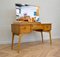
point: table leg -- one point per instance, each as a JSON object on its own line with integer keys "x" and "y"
{"x": 12, "y": 40}
{"x": 50, "y": 37}
{"x": 42, "y": 36}
{"x": 19, "y": 42}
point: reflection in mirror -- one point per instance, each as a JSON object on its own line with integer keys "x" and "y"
{"x": 27, "y": 12}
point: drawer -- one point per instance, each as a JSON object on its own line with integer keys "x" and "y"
{"x": 46, "y": 27}
{"x": 37, "y": 26}
{"x": 25, "y": 29}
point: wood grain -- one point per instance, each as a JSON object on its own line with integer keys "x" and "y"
{"x": 32, "y": 49}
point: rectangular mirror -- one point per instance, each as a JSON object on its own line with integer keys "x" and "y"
{"x": 27, "y": 10}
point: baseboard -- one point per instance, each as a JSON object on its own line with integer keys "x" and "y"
{"x": 9, "y": 42}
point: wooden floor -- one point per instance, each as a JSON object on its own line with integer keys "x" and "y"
{"x": 33, "y": 49}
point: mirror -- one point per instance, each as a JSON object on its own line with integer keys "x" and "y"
{"x": 27, "y": 10}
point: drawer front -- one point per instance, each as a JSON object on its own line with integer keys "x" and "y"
{"x": 37, "y": 26}
{"x": 25, "y": 29}
{"x": 47, "y": 27}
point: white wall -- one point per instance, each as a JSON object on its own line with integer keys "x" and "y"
{"x": 49, "y": 12}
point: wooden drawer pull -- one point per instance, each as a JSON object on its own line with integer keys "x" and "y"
{"x": 24, "y": 28}
{"x": 46, "y": 26}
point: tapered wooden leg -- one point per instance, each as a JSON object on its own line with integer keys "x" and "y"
{"x": 50, "y": 37}
{"x": 19, "y": 42}
{"x": 12, "y": 40}
{"x": 42, "y": 36}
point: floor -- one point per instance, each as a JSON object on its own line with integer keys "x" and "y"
{"x": 32, "y": 49}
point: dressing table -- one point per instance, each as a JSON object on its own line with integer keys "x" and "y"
{"x": 23, "y": 27}
{"x": 27, "y": 23}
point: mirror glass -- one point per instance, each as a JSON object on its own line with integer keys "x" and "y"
{"x": 27, "y": 10}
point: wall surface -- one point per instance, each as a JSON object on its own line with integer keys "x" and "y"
{"x": 49, "y": 13}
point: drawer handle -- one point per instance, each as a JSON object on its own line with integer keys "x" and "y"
{"x": 46, "y": 26}
{"x": 24, "y": 27}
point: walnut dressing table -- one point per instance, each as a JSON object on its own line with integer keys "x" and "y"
{"x": 20, "y": 28}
